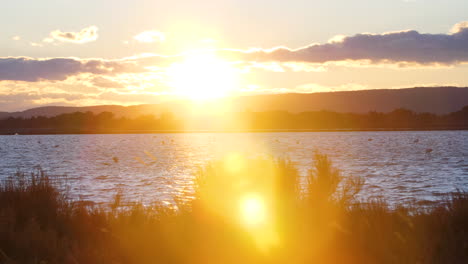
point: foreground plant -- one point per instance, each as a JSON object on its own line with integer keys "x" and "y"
{"x": 246, "y": 210}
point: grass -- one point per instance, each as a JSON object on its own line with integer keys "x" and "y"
{"x": 246, "y": 210}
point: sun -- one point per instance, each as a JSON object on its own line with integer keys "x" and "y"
{"x": 202, "y": 76}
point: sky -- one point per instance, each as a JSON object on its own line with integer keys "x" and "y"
{"x": 93, "y": 52}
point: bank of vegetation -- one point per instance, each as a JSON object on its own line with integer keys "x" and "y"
{"x": 245, "y": 211}
{"x": 107, "y": 122}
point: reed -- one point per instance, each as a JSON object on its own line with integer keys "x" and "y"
{"x": 246, "y": 210}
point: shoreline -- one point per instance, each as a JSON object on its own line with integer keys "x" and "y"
{"x": 26, "y": 131}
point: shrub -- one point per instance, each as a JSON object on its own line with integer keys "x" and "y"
{"x": 246, "y": 210}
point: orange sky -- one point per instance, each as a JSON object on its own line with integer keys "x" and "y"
{"x": 133, "y": 52}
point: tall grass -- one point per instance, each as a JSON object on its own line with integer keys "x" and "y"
{"x": 246, "y": 210}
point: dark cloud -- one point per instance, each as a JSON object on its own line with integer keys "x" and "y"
{"x": 59, "y": 69}
{"x": 404, "y": 46}
{"x": 395, "y": 47}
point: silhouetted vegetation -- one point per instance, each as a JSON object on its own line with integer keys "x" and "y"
{"x": 397, "y": 119}
{"x": 245, "y": 211}
{"x": 107, "y": 122}
{"x": 88, "y": 122}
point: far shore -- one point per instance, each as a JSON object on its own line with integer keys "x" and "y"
{"x": 26, "y": 131}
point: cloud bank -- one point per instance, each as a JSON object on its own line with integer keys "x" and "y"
{"x": 387, "y": 48}
{"x": 59, "y": 69}
{"x": 393, "y": 47}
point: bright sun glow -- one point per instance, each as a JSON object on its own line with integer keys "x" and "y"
{"x": 202, "y": 77}
{"x": 253, "y": 210}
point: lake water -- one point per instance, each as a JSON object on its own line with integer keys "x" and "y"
{"x": 150, "y": 167}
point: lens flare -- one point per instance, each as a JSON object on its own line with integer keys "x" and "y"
{"x": 253, "y": 210}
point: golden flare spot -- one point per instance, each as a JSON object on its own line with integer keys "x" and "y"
{"x": 253, "y": 210}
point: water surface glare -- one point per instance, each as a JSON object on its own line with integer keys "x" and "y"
{"x": 396, "y": 166}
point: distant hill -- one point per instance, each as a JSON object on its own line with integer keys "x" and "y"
{"x": 118, "y": 110}
{"x": 438, "y": 100}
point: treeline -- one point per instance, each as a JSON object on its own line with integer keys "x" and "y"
{"x": 88, "y": 122}
{"x": 397, "y": 119}
{"x": 80, "y": 122}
